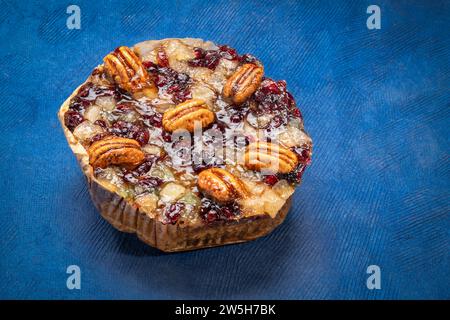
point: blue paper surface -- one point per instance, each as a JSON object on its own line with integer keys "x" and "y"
{"x": 376, "y": 103}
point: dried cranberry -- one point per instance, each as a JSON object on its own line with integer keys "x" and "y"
{"x": 300, "y": 172}
{"x": 130, "y": 178}
{"x": 294, "y": 176}
{"x": 84, "y": 90}
{"x": 199, "y": 53}
{"x": 151, "y": 182}
{"x": 173, "y": 212}
{"x": 271, "y": 179}
{"x": 212, "y": 216}
{"x": 200, "y": 167}
{"x": 155, "y": 120}
{"x": 296, "y": 113}
{"x": 125, "y": 107}
{"x": 77, "y": 105}
{"x": 104, "y": 90}
{"x": 303, "y": 154}
{"x": 236, "y": 118}
{"x": 72, "y": 119}
{"x": 167, "y": 137}
{"x": 130, "y": 130}
{"x": 277, "y": 121}
{"x": 248, "y": 58}
{"x": 211, "y": 58}
{"x": 182, "y": 95}
{"x": 270, "y": 87}
{"x": 228, "y": 53}
{"x": 272, "y": 98}
{"x": 211, "y": 211}
{"x": 219, "y": 125}
{"x": 174, "y": 83}
{"x": 101, "y": 123}
{"x": 146, "y": 165}
{"x": 98, "y": 137}
{"x": 149, "y": 65}
{"x": 227, "y": 212}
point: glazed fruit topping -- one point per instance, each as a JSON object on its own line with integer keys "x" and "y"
{"x": 72, "y": 119}
{"x": 154, "y": 120}
{"x": 303, "y": 154}
{"x": 146, "y": 165}
{"x": 137, "y": 175}
{"x": 273, "y": 98}
{"x": 173, "y": 212}
{"x": 211, "y": 211}
{"x": 211, "y": 58}
{"x": 271, "y": 179}
{"x": 170, "y": 81}
{"x": 129, "y": 130}
{"x": 237, "y": 108}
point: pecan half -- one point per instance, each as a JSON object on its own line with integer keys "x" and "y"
{"x": 186, "y": 114}
{"x": 221, "y": 185}
{"x": 243, "y": 83}
{"x": 269, "y": 157}
{"x": 114, "y": 150}
{"x": 126, "y": 69}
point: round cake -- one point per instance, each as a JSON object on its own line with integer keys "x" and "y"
{"x": 187, "y": 143}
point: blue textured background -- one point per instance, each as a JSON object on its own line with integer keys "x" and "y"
{"x": 376, "y": 103}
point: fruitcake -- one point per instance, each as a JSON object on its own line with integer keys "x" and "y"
{"x": 187, "y": 143}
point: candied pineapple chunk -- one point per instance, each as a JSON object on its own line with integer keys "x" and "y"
{"x": 272, "y": 202}
{"x": 252, "y": 205}
{"x": 147, "y": 202}
{"x": 172, "y": 192}
{"x": 283, "y": 189}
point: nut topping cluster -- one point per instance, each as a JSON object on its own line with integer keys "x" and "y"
{"x": 128, "y": 112}
{"x": 186, "y": 115}
{"x": 270, "y": 157}
{"x": 221, "y": 185}
{"x": 243, "y": 83}
{"x": 115, "y": 151}
{"x": 126, "y": 69}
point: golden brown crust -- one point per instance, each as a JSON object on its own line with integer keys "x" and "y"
{"x": 171, "y": 238}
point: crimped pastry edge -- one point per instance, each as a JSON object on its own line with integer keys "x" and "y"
{"x": 167, "y": 237}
